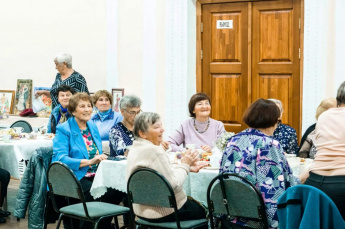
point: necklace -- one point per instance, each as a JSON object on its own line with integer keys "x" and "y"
{"x": 200, "y": 132}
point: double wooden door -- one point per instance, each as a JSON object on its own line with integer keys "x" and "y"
{"x": 251, "y": 50}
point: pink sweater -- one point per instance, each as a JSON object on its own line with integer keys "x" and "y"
{"x": 330, "y": 143}
{"x": 186, "y": 134}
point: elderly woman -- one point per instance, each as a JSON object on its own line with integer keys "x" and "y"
{"x": 200, "y": 130}
{"x": 308, "y": 149}
{"x": 121, "y": 135}
{"x": 146, "y": 152}
{"x": 78, "y": 145}
{"x": 59, "y": 113}
{"x": 66, "y": 75}
{"x": 256, "y": 156}
{"x": 327, "y": 172}
{"x": 105, "y": 118}
{"x": 286, "y": 135}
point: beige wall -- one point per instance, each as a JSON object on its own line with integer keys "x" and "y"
{"x": 33, "y": 32}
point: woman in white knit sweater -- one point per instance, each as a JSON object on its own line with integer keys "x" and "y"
{"x": 146, "y": 152}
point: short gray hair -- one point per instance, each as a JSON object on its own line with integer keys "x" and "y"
{"x": 279, "y": 104}
{"x": 64, "y": 58}
{"x": 130, "y": 101}
{"x": 341, "y": 94}
{"x": 143, "y": 121}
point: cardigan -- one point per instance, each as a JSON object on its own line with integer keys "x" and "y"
{"x": 69, "y": 146}
{"x": 186, "y": 134}
{"x": 144, "y": 154}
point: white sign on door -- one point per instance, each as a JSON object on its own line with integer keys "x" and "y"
{"x": 224, "y": 24}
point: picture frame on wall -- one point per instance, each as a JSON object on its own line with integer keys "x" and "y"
{"x": 23, "y": 98}
{"x": 47, "y": 101}
{"x": 117, "y": 94}
{"x": 6, "y": 101}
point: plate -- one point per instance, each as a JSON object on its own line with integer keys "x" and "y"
{"x": 46, "y": 138}
{"x": 211, "y": 168}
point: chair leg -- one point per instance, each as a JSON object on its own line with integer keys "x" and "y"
{"x": 59, "y": 222}
{"x": 96, "y": 224}
{"x": 116, "y": 222}
{"x": 46, "y": 207}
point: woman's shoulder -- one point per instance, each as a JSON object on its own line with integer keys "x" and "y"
{"x": 77, "y": 75}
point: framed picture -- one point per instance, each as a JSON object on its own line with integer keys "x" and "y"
{"x": 117, "y": 94}
{"x": 47, "y": 102}
{"x": 6, "y": 101}
{"x": 23, "y": 95}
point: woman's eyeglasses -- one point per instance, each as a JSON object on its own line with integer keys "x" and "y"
{"x": 133, "y": 112}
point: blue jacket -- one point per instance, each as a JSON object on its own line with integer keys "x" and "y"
{"x": 69, "y": 146}
{"x": 52, "y": 123}
{"x": 304, "y": 206}
{"x": 105, "y": 126}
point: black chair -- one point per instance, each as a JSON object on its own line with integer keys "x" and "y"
{"x": 234, "y": 196}
{"x": 63, "y": 182}
{"x": 27, "y": 128}
{"x": 148, "y": 187}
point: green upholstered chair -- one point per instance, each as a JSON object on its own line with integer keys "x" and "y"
{"x": 62, "y": 181}
{"x": 148, "y": 187}
{"x": 237, "y": 198}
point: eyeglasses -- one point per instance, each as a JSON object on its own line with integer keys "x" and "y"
{"x": 133, "y": 112}
{"x": 279, "y": 121}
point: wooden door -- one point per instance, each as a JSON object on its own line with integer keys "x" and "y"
{"x": 225, "y": 62}
{"x": 275, "y": 59}
{"x": 257, "y": 58}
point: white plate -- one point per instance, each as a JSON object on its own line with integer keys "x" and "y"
{"x": 46, "y": 138}
{"x": 211, "y": 168}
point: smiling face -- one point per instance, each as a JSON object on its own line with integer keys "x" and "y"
{"x": 64, "y": 97}
{"x": 129, "y": 114}
{"x": 202, "y": 109}
{"x": 154, "y": 133}
{"x": 103, "y": 103}
{"x": 83, "y": 111}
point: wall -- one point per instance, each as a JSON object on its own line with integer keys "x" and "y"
{"x": 33, "y": 32}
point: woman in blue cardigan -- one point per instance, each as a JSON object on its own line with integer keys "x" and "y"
{"x": 78, "y": 145}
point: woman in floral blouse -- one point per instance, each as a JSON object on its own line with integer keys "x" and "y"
{"x": 286, "y": 135}
{"x": 256, "y": 156}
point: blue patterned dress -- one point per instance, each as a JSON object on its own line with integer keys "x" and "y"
{"x": 287, "y": 137}
{"x": 261, "y": 160}
{"x": 119, "y": 139}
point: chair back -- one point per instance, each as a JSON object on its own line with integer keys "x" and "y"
{"x": 241, "y": 198}
{"x": 62, "y": 181}
{"x": 27, "y": 128}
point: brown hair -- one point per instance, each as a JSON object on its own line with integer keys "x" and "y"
{"x": 263, "y": 113}
{"x": 194, "y": 99}
{"x": 100, "y": 93}
{"x": 74, "y": 100}
{"x": 325, "y": 105}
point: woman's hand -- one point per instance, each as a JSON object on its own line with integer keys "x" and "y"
{"x": 165, "y": 145}
{"x": 98, "y": 158}
{"x": 198, "y": 165}
{"x": 206, "y": 148}
{"x": 190, "y": 158}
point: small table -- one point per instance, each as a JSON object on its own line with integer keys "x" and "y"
{"x": 17, "y": 150}
{"x": 112, "y": 174}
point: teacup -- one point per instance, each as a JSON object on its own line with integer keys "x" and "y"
{"x": 18, "y": 130}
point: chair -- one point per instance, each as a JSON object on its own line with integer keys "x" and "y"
{"x": 232, "y": 195}
{"x": 62, "y": 181}
{"x": 148, "y": 187}
{"x": 22, "y": 123}
{"x": 307, "y": 207}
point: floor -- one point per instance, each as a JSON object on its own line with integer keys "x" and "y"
{"x": 12, "y": 222}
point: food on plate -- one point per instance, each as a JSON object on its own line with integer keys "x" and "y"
{"x": 205, "y": 156}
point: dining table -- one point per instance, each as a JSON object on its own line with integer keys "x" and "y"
{"x": 13, "y": 154}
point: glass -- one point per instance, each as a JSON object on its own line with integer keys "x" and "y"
{"x": 133, "y": 112}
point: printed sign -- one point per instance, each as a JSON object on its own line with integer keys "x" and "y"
{"x": 224, "y": 24}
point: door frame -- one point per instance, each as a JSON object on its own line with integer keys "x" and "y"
{"x": 199, "y": 62}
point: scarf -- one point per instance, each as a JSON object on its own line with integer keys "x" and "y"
{"x": 62, "y": 115}
{"x": 104, "y": 115}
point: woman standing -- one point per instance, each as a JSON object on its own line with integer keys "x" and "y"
{"x": 200, "y": 130}
{"x": 121, "y": 135}
{"x": 105, "y": 118}
{"x": 66, "y": 75}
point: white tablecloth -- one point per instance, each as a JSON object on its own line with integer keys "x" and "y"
{"x": 112, "y": 174}
{"x": 12, "y": 153}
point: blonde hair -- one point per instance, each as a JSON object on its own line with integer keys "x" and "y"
{"x": 325, "y": 105}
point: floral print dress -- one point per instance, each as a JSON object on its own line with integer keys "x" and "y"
{"x": 260, "y": 159}
{"x": 287, "y": 137}
{"x": 119, "y": 139}
{"x": 91, "y": 149}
